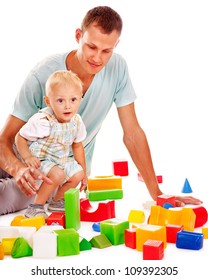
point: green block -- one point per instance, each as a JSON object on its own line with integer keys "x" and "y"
{"x": 114, "y": 230}
{"x": 85, "y": 245}
{"x": 72, "y": 208}
{"x": 67, "y": 242}
{"x": 21, "y": 248}
{"x": 104, "y": 195}
{"x": 100, "y": 241}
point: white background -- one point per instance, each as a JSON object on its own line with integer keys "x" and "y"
{"x": 165, "y": 44}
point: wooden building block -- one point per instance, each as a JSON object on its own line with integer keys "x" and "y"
{"x": 72, "y": 208}
{"x": 162, "y": 199}
{"x": 104, "y": 183}
{"x": 120, "y": 168}
{"x": 67, "y": 242}
{"x": 136, "y": 216}
{"x": 56, "y": 218}
{"x": 153, "y": 250}
{"x": 100, "y": 241}
{"x": 104, "y": 195}
{"x": 171, "y": 232}
{"x": 130, "y": 238}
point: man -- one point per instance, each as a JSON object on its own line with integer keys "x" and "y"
{"x": 106, "y": 81}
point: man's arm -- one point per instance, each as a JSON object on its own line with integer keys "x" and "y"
{"x": 25, "y": 176}
{"x": 136, "y": 142}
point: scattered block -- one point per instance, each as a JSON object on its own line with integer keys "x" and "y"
{"x": 21, "y": 248}
{"x": 67, "y": 242}
{"x": 171, "y": 232}
{"x": 153, "y": 250}
{"x": 162, "y": 199}
{"x": 152, "y": 232}
{"x": 136, "y": 216}
{"x": 72, "y": 208}
{"x": 17, "y": 220}
{"x": 96, "y": 227}
{"x": 130, "y": 238}
{"x": 85, "y": 245}
{"x": 1, "y": 251}
{"x": 159, "y": 178}
{"x": 205, "y": 232}
{"x": 120, "y": 168}
{"x": 201, "y": 216}
{"x": 100, "y": 241}
{"x": 189, "y": 240}
{"x": 56, "y": 218}
{"x": 7, "y": 244}
{"x": 114, "y": 230}
{"x": 45, "y": 244}
{"x": 186, "y": 187}
{"x": 33, "y": 222}
{"x": 104, "y": 211}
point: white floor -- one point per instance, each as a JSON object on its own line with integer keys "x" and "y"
{"x": 117, "y": 257}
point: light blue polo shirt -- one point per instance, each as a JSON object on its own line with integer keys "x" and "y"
{"x": 111, "y": 85}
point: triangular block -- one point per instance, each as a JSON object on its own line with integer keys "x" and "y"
{"x": 100, "y": 241}
{"x": 186, "y": 187}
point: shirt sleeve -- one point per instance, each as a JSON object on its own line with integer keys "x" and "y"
{"x": 36, "y": 127}
{"x": 81, "y": 131}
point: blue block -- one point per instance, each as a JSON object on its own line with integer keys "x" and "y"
{"x": 189, "y": 240}
{"x": 96, "y": 227}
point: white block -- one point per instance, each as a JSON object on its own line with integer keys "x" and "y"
{"x": 44, "y": 245}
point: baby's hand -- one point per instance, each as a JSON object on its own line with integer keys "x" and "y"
{"x": 32, "y": 162}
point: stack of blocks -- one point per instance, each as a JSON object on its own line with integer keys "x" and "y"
{"x": 104, "y": 187}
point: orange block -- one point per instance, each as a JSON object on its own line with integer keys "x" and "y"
{"x": 188, "y": 218}
{"x": 146, "y": 232}
{"x": 1, "y": 251}
{"x": 158, "y": 216}
{"x": 37, "y": 222}
{"x": 104, "y": 183}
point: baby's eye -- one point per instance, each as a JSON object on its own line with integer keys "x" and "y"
{"x": 60, "y": 100}
{"x": 74, "y": 99}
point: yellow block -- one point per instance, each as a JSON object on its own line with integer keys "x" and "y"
{"x": 158, "y": 216}
{"x": 37, "y": 222}
{"x": 17, "y": 221}
{"x": 136, "y": 216}
{"x": 205, "y": 232}
{"x": 1, "y": 251}
{"x": 7, "y": 244}
{"x": 104, "y": 183}
{"x": 146, "y": 232}
{"x": 188, "y": 218}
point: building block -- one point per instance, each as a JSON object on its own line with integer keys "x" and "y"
{"x": 8, "y": 244}
{"x": 56, "y": 218}
{"x": 158, "y": 216}
{"x": 104, "y": 211}
{"x": 188, "y": 218}
{"x": 153, "y": 250}
{"x": 189, "y": 240}
{"x": 18, "y": 231}
{"x": 130, "y": 238}
{"x": 201, "y": 215}
{"x": 84, "y": 245}
{"x": 45, "y": 244}
{"x": 1, "y": 251}
{"x": 167, "y": 205}
{"x": 186, "y": 187}
{"x": 67, "y": 242}
{"x": 104, "y": 195}
{"x": 100, "y": 241}
{"x": 21, "y": 248}
{"x": 72, "y": 208}
{"x": 171, "y": 232}
{"x": 120, "y": 168}
{"x": 153, "y": 232}
{"x": 159, "y": 178}
{"x": 162, "y": 199}
{"x": 136, "y": 216}
{"x": 114, "y": 230}
{"x": 17, "y": 220}
{"x": 205, "y": 232}
{"x": 100, "y": 183}
{"x": 33, "y": 222}
{"x": 96, "y": 226}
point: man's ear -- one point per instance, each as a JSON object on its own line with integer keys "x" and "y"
{"x": 78, "y": 34}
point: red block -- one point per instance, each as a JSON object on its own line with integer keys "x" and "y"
{"x": 162, "y": 199}
{"x": 104, "y": 211}
{"x": 120, "y": 168}
{"x": 159, "y": 178}
{"x": 130, "y": 238}
{"x": 56, "y": 218}
{"x": 153, "y": 250}
{"x": 171, "y": 232}
{"x": 201, "y": 216}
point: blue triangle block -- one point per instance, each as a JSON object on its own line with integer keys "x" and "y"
{"x": 186, "y": 187}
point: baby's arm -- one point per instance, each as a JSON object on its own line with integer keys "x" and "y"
{"x": 25, "y": 153}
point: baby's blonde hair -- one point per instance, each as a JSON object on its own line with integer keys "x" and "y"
{"x": 63, "y": 77}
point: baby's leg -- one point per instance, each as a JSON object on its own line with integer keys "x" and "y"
{"x": 57, "y": 175}
{"x": 71, "y": 183}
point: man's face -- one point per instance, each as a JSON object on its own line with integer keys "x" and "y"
{"x": 95, "y": 48}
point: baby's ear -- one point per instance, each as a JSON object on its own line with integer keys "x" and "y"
{"x": 47, "y": 101}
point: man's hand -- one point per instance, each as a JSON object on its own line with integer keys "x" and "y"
{"x": 183, "y": 200}
{"x": 26, "y": 180}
